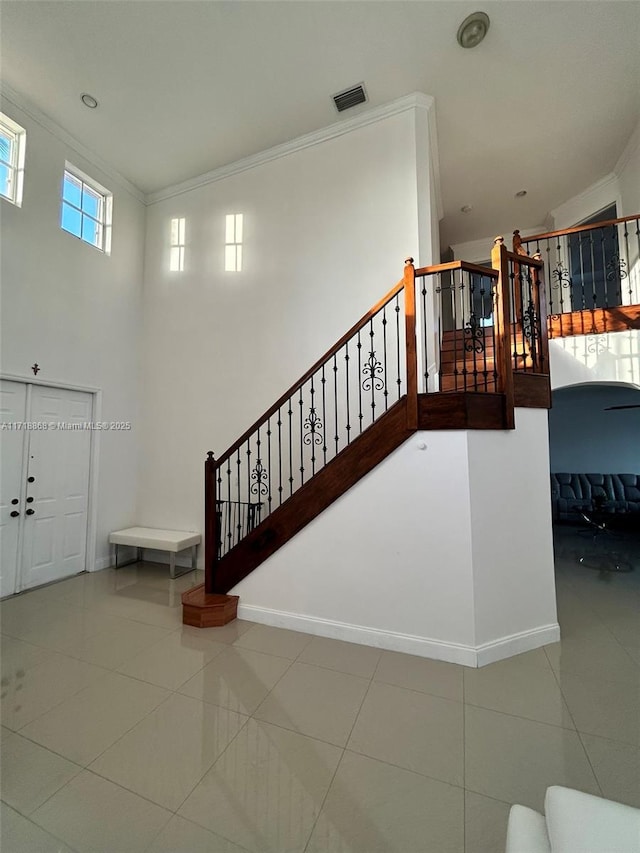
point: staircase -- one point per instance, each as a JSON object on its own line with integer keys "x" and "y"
{"x": 446, "y": 348}
{"x": 452, "y": 346}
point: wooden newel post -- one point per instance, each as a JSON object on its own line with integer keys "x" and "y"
{"x": 410, "y": 340}
{"x": 502, "y": 323}
{"x": 210, "y": 523}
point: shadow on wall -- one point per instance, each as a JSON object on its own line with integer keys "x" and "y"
{"x": 610, "y": 357}
{"x": 595, "y": 428}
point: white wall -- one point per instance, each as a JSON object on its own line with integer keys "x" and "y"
{"x": 609, "y": 357}
{"x": 513, "y": 575}
{"x": 586, "y": 438}
{"x": 327, "y": 228}
{"x": 75, "y": 310}
{"x": 415, "y": 557}
{"x": 628, "y": 171}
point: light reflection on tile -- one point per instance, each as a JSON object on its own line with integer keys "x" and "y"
{"x": 238, "y": 679}
{"x": 166, "y": 754}
{"x": 266, "y": 790}
{"x": 375, "y": 808}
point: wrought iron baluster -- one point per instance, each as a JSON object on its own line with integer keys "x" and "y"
{"x": 360, "y": 415}
{"x": 484, "y": 330}
{"x": 384, "y": 349}
{"x": 423, "y": 291}
{"x": 248, "y": 481}
{"x": 593, "y": 270}
{"x": 269, "y": 463}
{"x": 605, "y": 268}
{"x": 290, "y": 414}
{"x": 279, "y": 456}
{"x": 239, "y": 473}
{"x": 335, "y": 401}
{"x": 346, "y": 370}
{"x": 583, "y": 303}
{"x": 627, "y": 257}
{"x": 397, "y": 310}
{"x": 439, "y": 298}
{"x": 454, "y": 311}
{"x": 324, "y": 418}
{"x": 229, "y": 534}
{"x": 300, "y": 418}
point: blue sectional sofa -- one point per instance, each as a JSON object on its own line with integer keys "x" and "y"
{"x": 572, "y": 491}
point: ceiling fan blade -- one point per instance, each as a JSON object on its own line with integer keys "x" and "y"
{"x": 631, "y": 406}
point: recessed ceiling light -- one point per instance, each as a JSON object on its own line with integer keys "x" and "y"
{"x": 467, "y": 208}
{"x": 88, "y": 100}
{"x": 521, "y": 193}
{"x": 473, "y": 29}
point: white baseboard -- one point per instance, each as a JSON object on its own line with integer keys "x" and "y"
{"x": 391, "y": 641}
{"x": 515, "y": 644}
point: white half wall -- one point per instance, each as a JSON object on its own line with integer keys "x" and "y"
{"x": 608, "y": 357}
{"x": 401, "y": 561}
{"x": 326, "y": 230}
{"x": 75, "y": 310}
{"x": 513, "y": 571}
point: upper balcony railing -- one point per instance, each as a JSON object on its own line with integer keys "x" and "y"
{"x": 588, "y": 267}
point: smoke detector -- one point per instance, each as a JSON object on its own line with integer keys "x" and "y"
{"x": 350, "y": 97}
{"x": 473, "y": 29}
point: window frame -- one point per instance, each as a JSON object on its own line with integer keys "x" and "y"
{"x": 177, "y": 241}
{"x": 103, "y": 217}
{"x": 234, "y": 228}
{"x": 15, "y": 165}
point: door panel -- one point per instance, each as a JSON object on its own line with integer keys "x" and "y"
{"x": 13, "y": 402}
{"x": 58, "y": 460}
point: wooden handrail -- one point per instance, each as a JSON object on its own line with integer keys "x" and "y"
{"x": 577, "y": 228}
{"x": 313, "y": 369}
{"x": 456, "y": 265}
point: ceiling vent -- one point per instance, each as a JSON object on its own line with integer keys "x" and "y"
{"x": 350, "y": 98}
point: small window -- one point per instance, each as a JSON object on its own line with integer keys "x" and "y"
{"x": 233, "y": 243}
{"x": 12, "y": 146}
{"x": 176, "y": 254}
{"x": 86, "y": 209}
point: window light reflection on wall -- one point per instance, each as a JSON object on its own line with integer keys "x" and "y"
{"x": 176, "y": 255}
{"x": 233, "y": 243}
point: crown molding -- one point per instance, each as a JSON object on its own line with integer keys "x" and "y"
{"x": 629, "y": 150}
{"x": 589, "y": 201}
{"x": 417, "y": 100}
{"x": 22, "y": 103}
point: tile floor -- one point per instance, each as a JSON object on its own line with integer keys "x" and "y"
{"x": 123, "y": 731}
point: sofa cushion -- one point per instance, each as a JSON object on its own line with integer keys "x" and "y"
{"x": 582, "y": 823}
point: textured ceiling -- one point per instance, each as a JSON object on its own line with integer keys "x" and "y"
{"x": 546, "y": 103}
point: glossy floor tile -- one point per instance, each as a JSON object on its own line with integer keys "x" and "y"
{"x": 316, "y": 702}
{"x": 31, "y": 774}
{"x": 166, "y": 754}
{"x": 238, "y": 679}
{"x": 414, "y": 730}
{"x": 374, "y": 807}
{"x": 93, "y": 815}
{"x": 266, "y": 790}
{"x": 124, "y": 731}
{"x": 82, "y": 727}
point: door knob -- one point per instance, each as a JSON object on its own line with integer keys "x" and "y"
{"x": 29, "y": 500}
{"x": 15, "y": 514}
{"x": 15, "y": 501}
{"x": 31, "y": 479}
{"x": 30, "y": 512}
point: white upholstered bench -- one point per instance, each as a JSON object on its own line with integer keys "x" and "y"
{"x": 172, "y": 541}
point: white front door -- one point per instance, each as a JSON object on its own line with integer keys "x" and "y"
{"x": 57, "y": 486}
{"x": 13, "y": 413}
